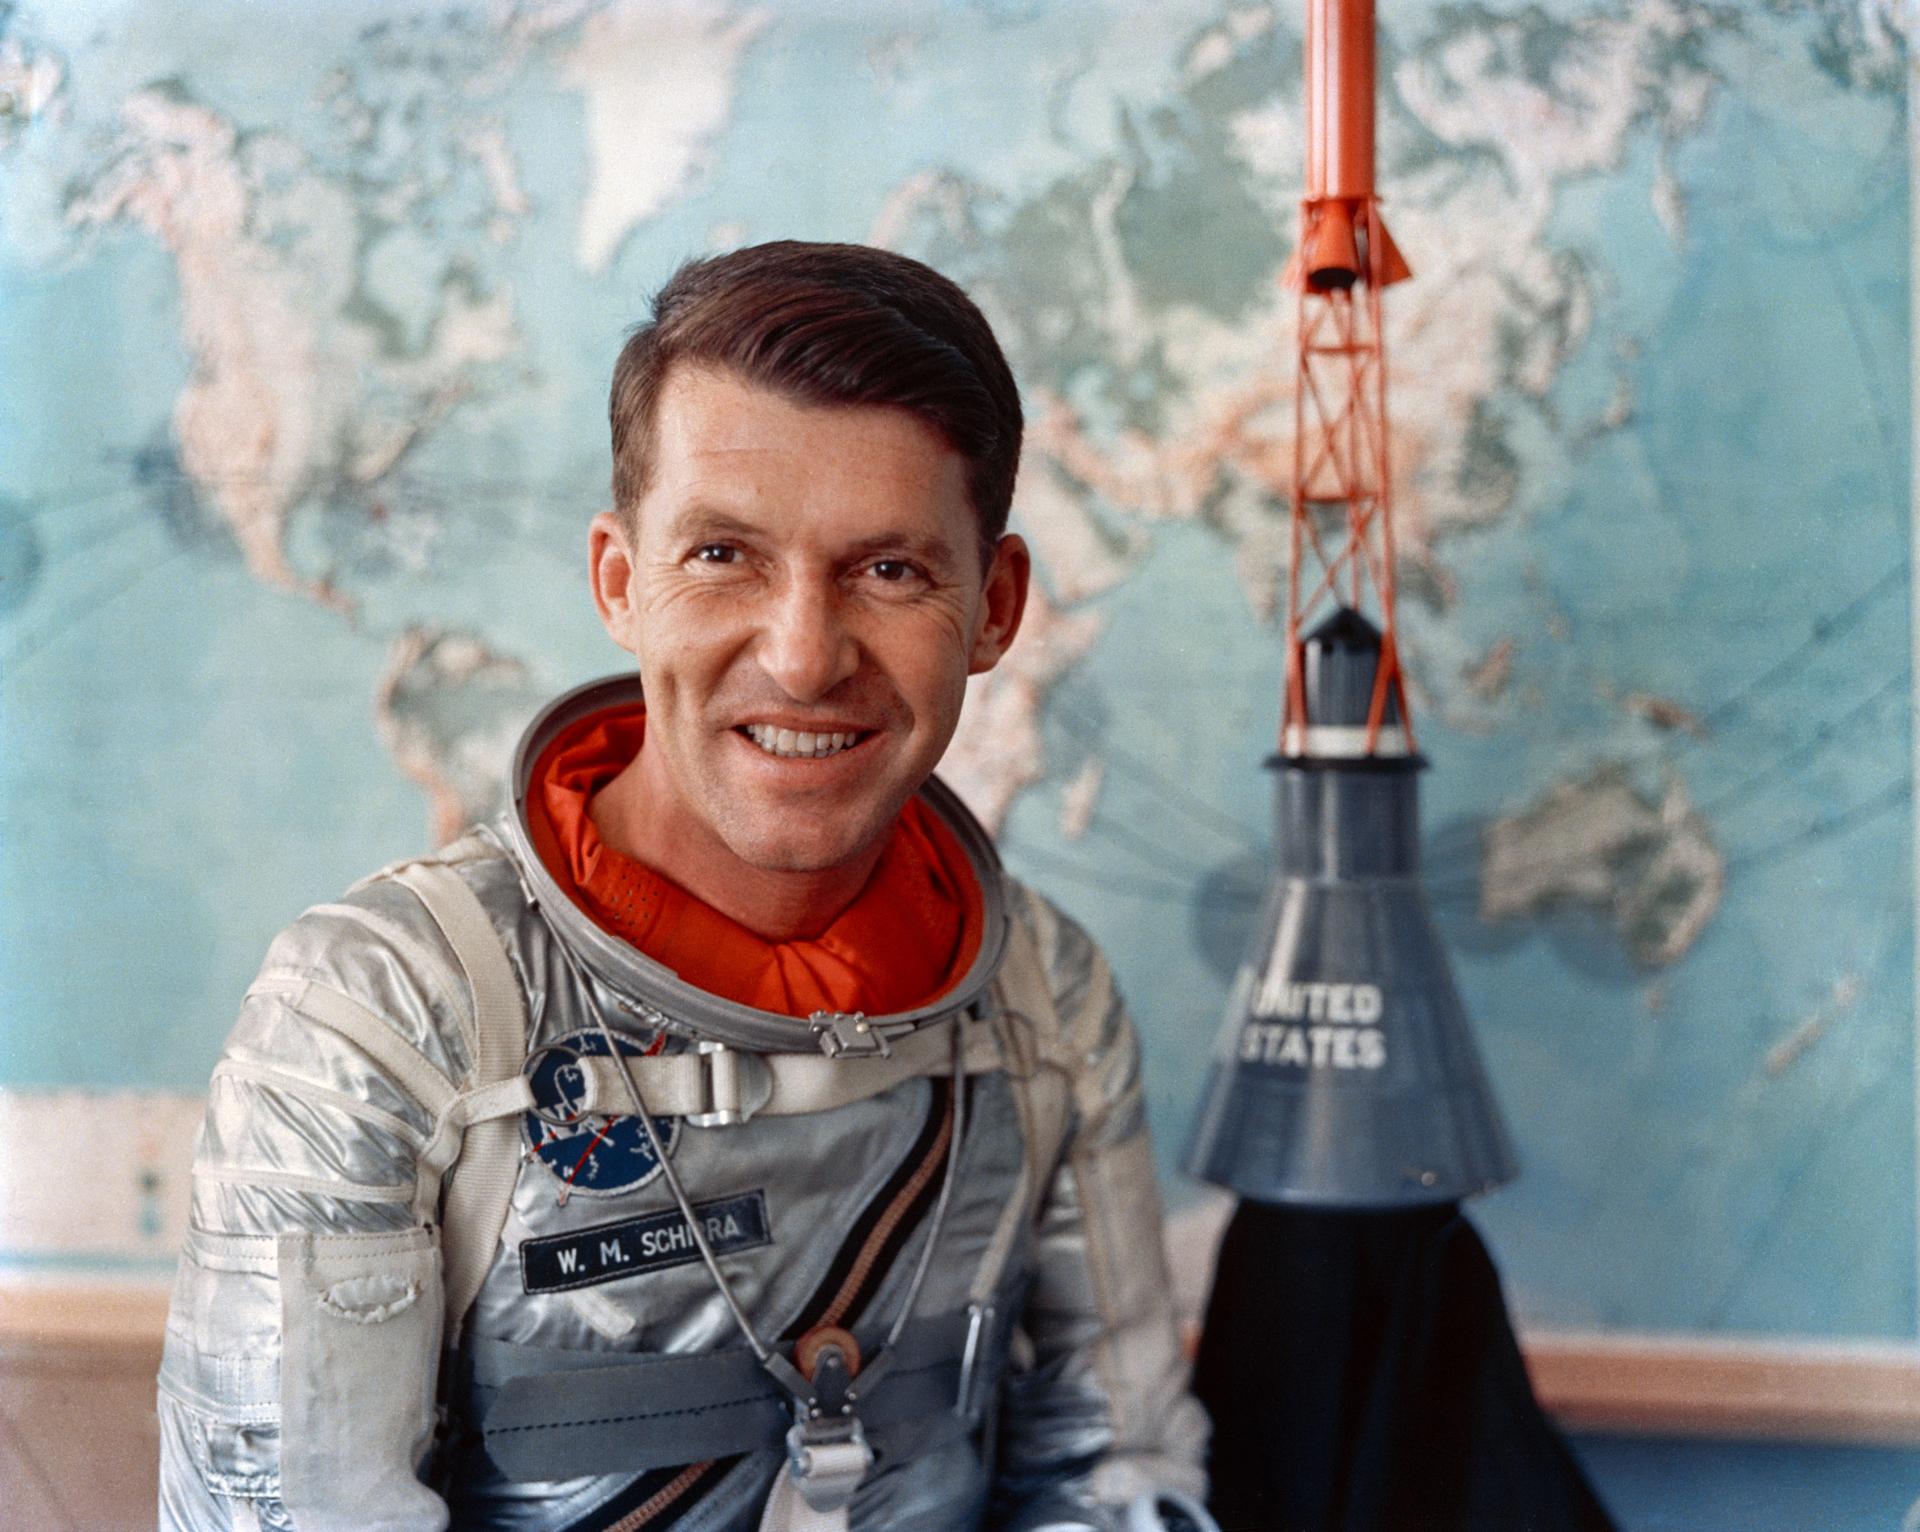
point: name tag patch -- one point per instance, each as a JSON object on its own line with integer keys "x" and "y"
{"x": 651, "y": 1242}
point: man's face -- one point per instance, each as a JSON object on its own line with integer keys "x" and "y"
{"x": 803, "y": 590}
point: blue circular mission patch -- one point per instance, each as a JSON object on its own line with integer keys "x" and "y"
{"x": 594, "y": 1156}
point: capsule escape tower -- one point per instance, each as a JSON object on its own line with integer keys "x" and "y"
{"x": 1346, "y": 1075}
{"x": 1341, "y": 540}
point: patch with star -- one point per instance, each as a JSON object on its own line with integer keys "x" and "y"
{"x": 590, "y": 1155}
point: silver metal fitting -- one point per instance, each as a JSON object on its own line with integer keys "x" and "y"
{"x": 723, "y": 1099}
{"x": 828, "y": 1457}
{"x": 979, "y": 1319}
{"x": 848, "y": 1033}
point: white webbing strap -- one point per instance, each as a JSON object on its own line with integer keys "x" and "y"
{"x": 342, "y": 1014}
{"x": 787, "y": 1511}
{"x": 729, "y": 1086}
{"x": 480, "y": 1191}
{"x": 503, "y": 1098}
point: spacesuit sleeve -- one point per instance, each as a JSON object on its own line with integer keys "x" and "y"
{"x": 1095, "y": 1412}
{"x": 302, "y": 1345}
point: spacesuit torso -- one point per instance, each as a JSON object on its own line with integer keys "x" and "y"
{"x": 315, "y": 1377}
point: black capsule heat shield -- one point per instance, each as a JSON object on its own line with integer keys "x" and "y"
{"x": 1346, "y": 1074}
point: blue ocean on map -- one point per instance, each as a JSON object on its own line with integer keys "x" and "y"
{"x": 308, "y": 338}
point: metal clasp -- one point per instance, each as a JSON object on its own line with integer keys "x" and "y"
{"x": 828, "y": 1459}
{"x": 572, "y": 1082}
{"x": 979, "y": 1317}
{"x": 723, "y": 1103}
{"x": 827, "y": 1450}
{"x": 848, "y": 1032}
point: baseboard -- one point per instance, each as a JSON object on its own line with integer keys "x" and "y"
{"x": 75, "y": 1314}
{"x": 1741, "y": 1386}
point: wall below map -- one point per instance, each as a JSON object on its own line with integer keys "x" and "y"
{"x": 94, "y": 1182}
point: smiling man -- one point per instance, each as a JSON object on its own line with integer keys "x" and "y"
{"x": 806, "y": 588}
{"x": 719, "y": 1139}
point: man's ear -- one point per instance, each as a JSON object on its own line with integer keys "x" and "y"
{"x": 610, "y": 564}
{"x": 1003, "y": 603}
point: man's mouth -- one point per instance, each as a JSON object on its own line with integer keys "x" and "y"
{"x": 799, "y": 744}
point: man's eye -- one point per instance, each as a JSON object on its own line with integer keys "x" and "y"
{"x": 892, "y": 571}
{"x": 716, "y": 553}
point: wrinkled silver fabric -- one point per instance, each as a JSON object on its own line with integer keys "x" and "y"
{"x": 306, "y": 1135}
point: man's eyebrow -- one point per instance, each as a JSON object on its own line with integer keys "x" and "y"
{"x": 709, "y": 520}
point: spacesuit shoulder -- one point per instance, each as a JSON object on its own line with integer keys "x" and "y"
{"x": 377, "y": 945}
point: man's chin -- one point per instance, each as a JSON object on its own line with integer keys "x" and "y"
{"x": 813, "y": 834}
{"x": 798, "y": 841}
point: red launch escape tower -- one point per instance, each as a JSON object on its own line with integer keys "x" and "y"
{"x": 1342, "y": 533}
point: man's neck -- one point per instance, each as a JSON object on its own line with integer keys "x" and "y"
{"x": 776, "y": 906}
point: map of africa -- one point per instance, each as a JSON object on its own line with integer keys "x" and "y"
{"x": 308, "y": 315}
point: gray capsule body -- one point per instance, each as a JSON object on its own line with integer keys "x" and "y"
{"x": 1346, "y": 1073}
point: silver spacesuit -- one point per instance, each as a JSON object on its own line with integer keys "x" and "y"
{"x": 982, "y": 1207}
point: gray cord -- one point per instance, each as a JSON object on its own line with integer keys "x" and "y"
{"x": 877, "y": 1367}
{"x": 784, "y": 1372}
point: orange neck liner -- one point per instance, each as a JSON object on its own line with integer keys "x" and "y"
{"x": 908, "y": 938}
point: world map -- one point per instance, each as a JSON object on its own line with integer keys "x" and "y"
{"x": 309, "y": 312}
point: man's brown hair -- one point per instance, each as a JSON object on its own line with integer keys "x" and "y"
{"x": 828, "y": 324}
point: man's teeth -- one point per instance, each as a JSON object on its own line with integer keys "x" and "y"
{"x": 796, "y": 742}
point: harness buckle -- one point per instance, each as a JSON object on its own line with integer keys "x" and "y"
{"x": 828, "y": 1460}
{"x": 723, "y": 1102}
{"x": 848, "y": 1033}
{"x": 827, "y": 1451}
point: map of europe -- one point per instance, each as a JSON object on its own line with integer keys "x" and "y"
{"x": 308, "y": 314}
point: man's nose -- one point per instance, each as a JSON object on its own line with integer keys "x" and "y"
{"x": 806, "y": 646}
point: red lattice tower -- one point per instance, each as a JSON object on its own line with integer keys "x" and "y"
{"x": 1341, "y": 543}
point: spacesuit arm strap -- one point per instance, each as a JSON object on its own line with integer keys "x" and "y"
{"x": 343, "y": 1014}
{"x": 474, "y": 1210}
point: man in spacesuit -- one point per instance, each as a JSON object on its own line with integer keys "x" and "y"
{"x": 718, "y": 1139}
